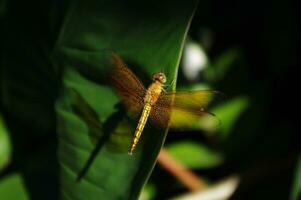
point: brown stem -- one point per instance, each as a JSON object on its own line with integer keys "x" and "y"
{"x": 184, "y": 175}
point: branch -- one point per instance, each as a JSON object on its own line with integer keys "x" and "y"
{"x": 184, "y": 175}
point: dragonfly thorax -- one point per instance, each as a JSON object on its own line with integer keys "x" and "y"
{"x": 153, "y": 92}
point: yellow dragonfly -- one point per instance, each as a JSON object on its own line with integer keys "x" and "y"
{"x": 179, "y": 109}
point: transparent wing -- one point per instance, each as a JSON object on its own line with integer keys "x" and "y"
{"x": 127, "y": 85}
{"x": 184, "y": 110}
{"x": 191, "y": 100}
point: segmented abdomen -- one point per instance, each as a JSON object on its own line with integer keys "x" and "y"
{"x": 142, "y": 121}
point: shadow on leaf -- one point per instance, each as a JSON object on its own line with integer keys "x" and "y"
{"x": 114, "y": 132}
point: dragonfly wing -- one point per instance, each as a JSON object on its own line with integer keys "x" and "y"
{"x": 177, "y": 118}
{"x": 189, "y": 120}
{"x": 191, "y": 100}
{"x": 184, "y": 110}
{"x": 160, "y": 116}
{"x": 127, "y": 85}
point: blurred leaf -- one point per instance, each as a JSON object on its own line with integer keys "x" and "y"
{"x": 3, "y": 4}
{"x": 229, "y": 112}
{"x": 296, "y": 190}
{"x": 148, "y": 192}
{"x": 29, "y": 87}
{"x": 221, "y": 65}
{"x": 5, "y": 146}
{"x": 194, "y": 155}
{"x": 27, "y": 72}
{"x": 149, "y": 37}
{"x": 12, "y": 187}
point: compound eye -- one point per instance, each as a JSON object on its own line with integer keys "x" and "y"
{"x": 159, "y": 76}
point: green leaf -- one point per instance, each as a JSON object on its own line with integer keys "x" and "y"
{"x": 5, "y": 145}
{"x": 229, "y": 112}
{"x": 29, "y": 87}
{"x": 221, "y": 65}
{"x": 3, "y": 5}
{"x": 148, "y": 192}
{"x": 296, "y": 189}
{"x": 149, "y": 37}
{"x": 194, "y": 155}
{"x": 12, "y": 187}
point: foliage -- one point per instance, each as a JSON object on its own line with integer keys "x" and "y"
{"x": 194, "y": 155}
{"x": 64, "y": 135}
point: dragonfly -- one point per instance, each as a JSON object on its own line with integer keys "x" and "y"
{"x": 175, "y": 109}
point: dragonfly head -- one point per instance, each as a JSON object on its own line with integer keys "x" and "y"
{"x": 159, "y": 76}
